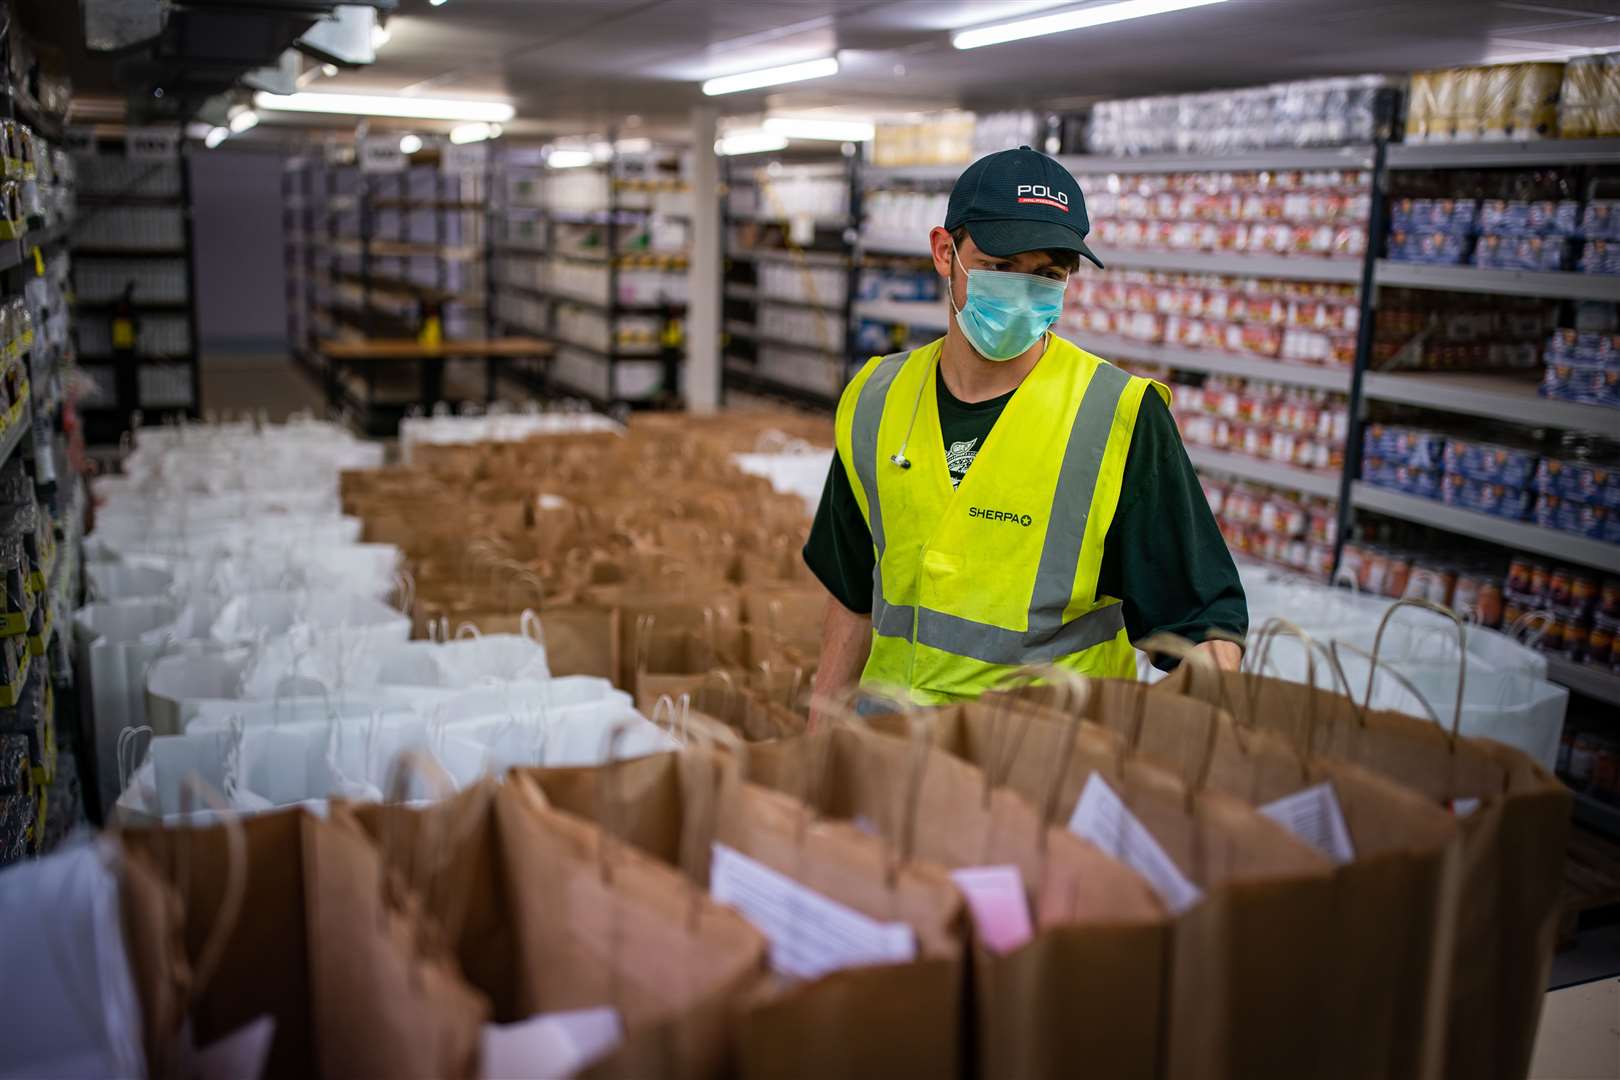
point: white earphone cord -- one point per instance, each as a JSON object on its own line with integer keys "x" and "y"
{"x": 900, "y": 458}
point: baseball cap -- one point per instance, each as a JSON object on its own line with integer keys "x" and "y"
{"x": 1020, "y": 200}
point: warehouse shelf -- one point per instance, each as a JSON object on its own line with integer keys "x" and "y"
{"x": 1531, "y": 539}
{"x": 520, "y": 251}
{"x": 741, "y": 292}
{"x": 1311, "y": 481}
{"x": 1558, "y": 285}
{"x": 1583, "y": 679}
{"x": 739, "y": 329}
{"x": 1215, "y": 362}
{"x": 176, "y": 306}
{"x": 13, "y": 435}
{"x": 108, "y": 199}
{"x": 130, "y": 253}
{"x": 597, "y": 303}
{"x": 1596, "y": 814}
{"x": 895, "y": 244}
{"x": 409, "y": 249}
{"x": 1336, "y": 157}
{"x": 1495, "y": 396}
{"x": 1484, "y": 155}
{"x": 1237, "y": 264}
{"x": 807, "y": 258}
{"x": 814, "y": 305}
{"x": 917, "y": 314}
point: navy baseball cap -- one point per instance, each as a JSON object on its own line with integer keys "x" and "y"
{"x": 1020, "y": 200}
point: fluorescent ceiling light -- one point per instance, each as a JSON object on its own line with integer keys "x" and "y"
{"x": 216, "y": 136}
{"x": 752, "y": 141}
{"x": 807, "y": 128}
{"x": 379, "y": 37}
{"x": 462, "y": 134}
{"x": 408, "y": 108}
{"x": 1096, "y": 15}
{"x": 410, "y": 144}
{"x": 753, "y": 80}
{"x": 632, "y": 146}
{"x": 246, "y": 120}
{"x": 570, "y": 159}
{"x": 437, "y": 3}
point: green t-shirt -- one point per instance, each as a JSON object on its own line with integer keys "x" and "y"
{"x": 1163, "y": 557}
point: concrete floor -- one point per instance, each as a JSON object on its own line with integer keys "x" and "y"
{"x": 237, "y": 383}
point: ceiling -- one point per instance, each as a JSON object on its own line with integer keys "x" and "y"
{"x": 576, "y": 66}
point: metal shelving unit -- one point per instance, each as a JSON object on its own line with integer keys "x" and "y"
{"x": 1556, "y": 285}
{"x": 744, "y": 301}
{"x": 1493, "y": 396}
{"x": 1487, "y": 155}
{"x": 1245, "y": 467}
{"x": 104, "y": 424}
{"x": 1214, "y": 362}
{"x": 1595, "y": 683}
{"x": 1531, "y": 539}
{"x": 613, "y": 218}
{"x": 1292, "y": 267}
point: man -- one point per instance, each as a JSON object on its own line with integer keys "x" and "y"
{"x": 1001, "y": 497}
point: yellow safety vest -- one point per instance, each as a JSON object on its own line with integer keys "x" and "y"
{"x": 974, "y": 582}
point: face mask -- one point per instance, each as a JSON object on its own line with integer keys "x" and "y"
{"x": 1006, "y": 313}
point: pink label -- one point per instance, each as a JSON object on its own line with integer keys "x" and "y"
{"x": 995, "y": 896}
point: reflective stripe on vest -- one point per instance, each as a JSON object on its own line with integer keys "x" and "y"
{"x": 1047, "y": 637}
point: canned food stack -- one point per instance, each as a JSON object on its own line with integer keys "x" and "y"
{"x": 1496, "y": 103}
{"x": 1301, "y": 427}
{"x": 1589, "y": 101}
{"x": 1564, "y": 611}
{"x": 1284, "y": 528}
{"x": 1583, "y": 367}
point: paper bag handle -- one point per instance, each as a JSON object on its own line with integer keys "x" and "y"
{"x": 1462, "y": 652}
{"x": 230, "y": 905}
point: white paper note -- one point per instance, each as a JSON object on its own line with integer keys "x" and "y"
{"x": 1314, "y": 816}
{"x": 550, "y": 1044}
{"x": 995, "y": 896}
{"x": 1464, "y": 806}
{"x": 809, "y": 934}
{"x": 1102, "y": 817}
{"x": 241, "y": 1055}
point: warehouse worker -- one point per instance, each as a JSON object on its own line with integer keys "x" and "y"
{"x": 1001, "y": 497}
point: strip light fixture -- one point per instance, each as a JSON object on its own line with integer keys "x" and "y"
{"x": 1063, "y": 21}
{"x": 749, "y": 141}
{"x": 774, "y": 76}
{"x": 215, "y": 136}
{"x": 406, "y": 108}
{"x": 570, "y": 159}
{"x": 792, "y": 127}
{"x": 246, "y": 120}
{"x": 462, "y": 134}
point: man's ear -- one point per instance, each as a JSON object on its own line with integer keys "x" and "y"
{"x": 940, "y": 246}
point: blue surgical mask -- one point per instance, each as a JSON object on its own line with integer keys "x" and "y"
{"x": 1006, "y": 313}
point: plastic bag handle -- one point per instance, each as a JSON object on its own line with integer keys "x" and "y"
{"x": 1462, "y": 652}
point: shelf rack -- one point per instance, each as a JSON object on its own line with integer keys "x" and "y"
{"x": 522, "y": 186}
{"x": 122, "y": 369}
{"x": 745, "y": 300}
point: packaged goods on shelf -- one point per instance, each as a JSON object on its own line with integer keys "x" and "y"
{"x": 786, "y": 192}
{"x": 1284, "y": 528}
{"x": 826, "y": 286}
{"x": 941, "y": 139}
{"x": 156, "y": 335}
{"x": 591, "y": 328}
{"x": 892, "y": 283}
{"x": 1589, "y": 100}
{"x": 1006, "y": 131}
{"x": 156, "y": 281}
{"x": 1521, "y": 481}
{"x": 578, "y": 190}
{"x": 1286, "y": 212}
{"x": 1311, "y": 112}
{"x": 1503, "y": 221}
{"x": 1435, "y": 331}
{"x": 1583, "y": 366}
{"x": 107, "y": 174}
{"x": 1307, "y": 322}
{"x": 809, "y": 369}
{"x": 904, "y": 214}
{"x": 1500, "y": 102}
{"x": 135, "y": 228}
{"x": 1293, "y": 425}
{"x": 814, "y": 329}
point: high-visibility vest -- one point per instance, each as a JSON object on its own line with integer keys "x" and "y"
{"x": 1001, "y": 572}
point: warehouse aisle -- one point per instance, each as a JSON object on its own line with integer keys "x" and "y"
{"x": 270, "y": 381}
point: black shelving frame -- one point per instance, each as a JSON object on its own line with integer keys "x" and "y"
{"x": 739, "y": 365}
{"x": 104, "y": 425}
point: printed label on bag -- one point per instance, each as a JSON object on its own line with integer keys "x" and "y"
{"x": 995, "y": 896}
{"x": 809, "y": 934}
{"x": 1102, "y": 817}
{"x": 1314, "y": 816}
{"x": 551, "y": 1044}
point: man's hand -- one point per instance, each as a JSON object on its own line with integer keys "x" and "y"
{"x": 846, "y": 640}
{"x": 1228, "y": 655}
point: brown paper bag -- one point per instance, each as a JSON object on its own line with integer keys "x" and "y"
{"x": 1248, "y": 949}
{"x": 1089, "y": 986}
{"x": 578, "y": 640}
{"x": 751, "y": 710}
{"x": 597, "y": 922}
{"x": 1394, "y": 911}
{"x": 892, "y": 1019}
{"x": 154, "y": 936}
{"x": 317, "y": 946}
{"x": 1514, "y": 820}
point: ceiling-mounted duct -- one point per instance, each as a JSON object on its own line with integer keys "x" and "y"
{"x": 281, "y": 78}
{"x": 118, "y": 24}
